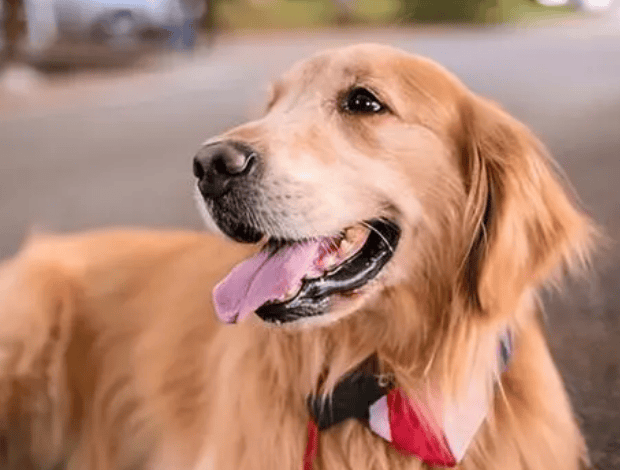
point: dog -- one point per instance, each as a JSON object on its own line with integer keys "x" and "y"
{"x": 381, "y": 227}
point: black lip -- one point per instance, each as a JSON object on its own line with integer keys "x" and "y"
{"x": 233, "y": 226}
{"x": 313, "y": 297}
{"x": 242, "y": 233}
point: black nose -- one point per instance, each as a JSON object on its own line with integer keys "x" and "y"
{"x": 220, "y": 164}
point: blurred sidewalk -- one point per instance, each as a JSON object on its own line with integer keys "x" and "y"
{"x": 26, "y": 91}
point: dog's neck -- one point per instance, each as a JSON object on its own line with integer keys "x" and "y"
{"x": 286, "y": 366}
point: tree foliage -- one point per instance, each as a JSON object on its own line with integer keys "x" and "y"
{"x": 438, "y": 11}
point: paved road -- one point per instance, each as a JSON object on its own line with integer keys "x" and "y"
{"x": 112, "y": 151}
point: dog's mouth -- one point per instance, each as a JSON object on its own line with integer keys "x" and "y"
{"x": 292, "y": 280}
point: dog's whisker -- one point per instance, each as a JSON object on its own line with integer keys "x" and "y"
{"x": 370, "y": 227}
{"x": 390, "y": 222}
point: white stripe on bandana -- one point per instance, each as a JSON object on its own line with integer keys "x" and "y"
{"x": 379, "y": 420}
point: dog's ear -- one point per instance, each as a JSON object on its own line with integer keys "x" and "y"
{"x": 521, "y": 227}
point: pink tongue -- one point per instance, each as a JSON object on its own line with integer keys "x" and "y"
{"x": 262, "y": 278}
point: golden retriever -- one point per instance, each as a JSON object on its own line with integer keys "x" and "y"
{"x": 392, "y": 213}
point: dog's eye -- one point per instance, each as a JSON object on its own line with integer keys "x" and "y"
{"x": 361, "y": 101}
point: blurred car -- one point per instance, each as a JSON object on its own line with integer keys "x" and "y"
{"x": 584, "y": 5}
{"x": 81, "y": 27}
{"x": 595, "y": 5}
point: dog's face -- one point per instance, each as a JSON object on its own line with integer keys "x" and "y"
{"x": 359, "y": 177}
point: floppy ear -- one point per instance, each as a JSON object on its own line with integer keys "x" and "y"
{"x": 523, "y": 230}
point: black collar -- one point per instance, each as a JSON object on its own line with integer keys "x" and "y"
{"x": 351, "y": 398}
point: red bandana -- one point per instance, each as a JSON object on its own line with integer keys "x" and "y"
{"x": 408, "y": 424}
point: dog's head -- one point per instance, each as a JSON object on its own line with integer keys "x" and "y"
{"x": 372, "y": 170}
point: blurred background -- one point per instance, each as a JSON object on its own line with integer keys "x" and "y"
{"x": 104, "y": 102}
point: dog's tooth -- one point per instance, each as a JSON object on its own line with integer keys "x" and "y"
{"x": 354, "y": 239}
{"x": 329, "y": 261}
{"x": 291, "y": 291}
{"x": 357, "y": 233}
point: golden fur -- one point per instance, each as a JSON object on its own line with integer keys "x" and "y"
{"x": 111, "y": 357}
